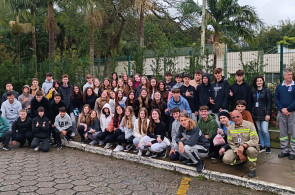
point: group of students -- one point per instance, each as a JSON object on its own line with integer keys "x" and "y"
{"x": 150, "y": 116}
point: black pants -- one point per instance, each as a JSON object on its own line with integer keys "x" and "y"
{"x": 57, "y": 134}
{"x": 81, "y": 131}
{"x": 6, "y": 138}
{"x": 121, "y": 139}
{"x": 21, "y": 137}
{"x": 45, "y": 143}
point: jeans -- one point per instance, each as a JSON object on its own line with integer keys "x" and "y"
{"x": 45, "y": 143}
{"x": 263, "y": 133}
{"x": 6, "y": 138}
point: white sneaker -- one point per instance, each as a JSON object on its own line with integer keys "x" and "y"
{"x": 73, "y": 134}
{"x": 36, "y": 149}
{"x": 118, "y": 148}
{"x": 100, "y": 143}
{"x": 139, "y": 152}
{"x": 148, "y": 153}
{"x": 93, "y": 142}
{"x": 108, "y": 145}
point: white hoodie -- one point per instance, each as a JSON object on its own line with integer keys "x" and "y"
{"x": 105, "y": 120}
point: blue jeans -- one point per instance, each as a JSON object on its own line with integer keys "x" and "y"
{"x": 263, "y": 133}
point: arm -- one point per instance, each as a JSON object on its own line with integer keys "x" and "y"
{"x": 56, "y": 124}
{"x": 253, "y": 137}
{"x": 13, "y": 129}
{"x": 186, "y": 107}
{"x": 213, "y": 128}
{"x": 277, "y": 98}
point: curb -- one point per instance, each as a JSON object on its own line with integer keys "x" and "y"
{"x": 187, "y": 170}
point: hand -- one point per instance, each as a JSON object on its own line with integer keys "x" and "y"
{"x": 288, "y": 113}
{"x": 187, "y": 93}
{"x": 181, "y": 147}
{"x": 221, "y": 151}
{"x": 91, "y": 131}
{"x": 63, "y": 132}
{"x": 240, "y": 150}
{"x": 172, "y": 151}
{"x": 138, "y": 145}
{"x": 284, "y": 111}
{"x": 14, "y": 143}
{"x": 267, "y": 118}
{"x": 182, "y": 138}
{"x": 167, "y": 110}
{"x": 26, "y": 99}
{"x": 196, "y": 113}
{"x": 243, "y": 157}
{"x": 52, "y": 125}
{"x": 183, "y": 110}
{"x": 86, "y": 136}
{"x": 207, "y": 136}
{"x": 231, "y": 93}
{"x": 43, "y": 124}
{"x": 220, "y": 109}
{"x": 159, "y": 139}
{"x": 211, "y": 100}
{"x": 29, "y": 106}
{"x": 37, "y": 124}
{"x": 149, "y": 144}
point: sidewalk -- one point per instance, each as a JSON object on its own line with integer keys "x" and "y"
{"x": 273, "y": 174}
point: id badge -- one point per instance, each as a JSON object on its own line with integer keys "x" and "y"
{"x": 239, "y": 140}
{"x": 257, "y": 104}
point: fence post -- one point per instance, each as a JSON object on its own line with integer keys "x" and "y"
{"x": 129, "y": 66}
{"x": 165, "y": 65}
{"x": 225, "y": 61}
{"x": 261, "y": 61}
{"x": 281, "y": 61}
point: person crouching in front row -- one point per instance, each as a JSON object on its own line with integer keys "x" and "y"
{"x": 192, "y": 143}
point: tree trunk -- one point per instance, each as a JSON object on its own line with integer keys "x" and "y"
{"x": 215, "y": 40}
{"x": 141, "y": 20}
{"x": 91, "y": 46}
{"x": 51, "y": 30}
{"x": 34, "y": 44}
{"x": 203, "y": 27}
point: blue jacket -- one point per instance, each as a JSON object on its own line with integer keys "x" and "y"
{"x": 285, "y": 98}
{"x": 4, "y": 125}
{"x": 182, "y": 104}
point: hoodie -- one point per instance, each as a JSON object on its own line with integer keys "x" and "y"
{"x": 220, "y": 95}
{"x": 4, "y": 126}
{"x": 240, "y": 92}
{"x": 47, "y": 85}
{"x": 11, "y": 111}
{"x": 174, "y": 132}
{"x": 54, "y": 110}
{"x": 66, "y": 93}
{"x": 191, "y": 99}
{"x": 182, "y": 104}
{"x": 62, "y": 123}
{"x": 40, "y": 132}
{"x": 21, "y": 126}
{"x": 128, "y": 132}
{"x": 208, "y": 127}
{"x": 22, "y": 97}
{"x": 204, "y": 92}
{"x": 105, "y": 120}
{"x": 35, "y": 105}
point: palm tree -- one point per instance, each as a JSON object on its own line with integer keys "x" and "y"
{"x": 230, "y": 19}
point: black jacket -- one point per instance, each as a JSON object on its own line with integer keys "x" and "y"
{"x": 76, "y": 103}
{"x": 54, "y": 110}
{"x": 192, "y": 99}
{"x": 204, "y": 92}
{"x": 220, "y": 95}
{"x": 35, "y": 105}
{"x": 160, "y": 130}
{"x": 264, "y": 104}
{"x": 240, "y": 92}
{"x": 21, "y": 126}
{"x": 40, "y": 132}
{"x": 66, "y": 93}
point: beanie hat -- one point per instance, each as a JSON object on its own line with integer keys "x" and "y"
{"x": 224, "y": 113}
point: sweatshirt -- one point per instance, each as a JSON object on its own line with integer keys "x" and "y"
{"x": 174, "y": 132}
{"x": 95, "y": 126}
{"x": 220, "y": 95}
{"x": 136, "y": 132}
{"x": 159, "y": 131}
{"x": 105, "y": 120}
{"x": 240, "y": 92}
{"x": 21, "y": 126}
{"x": 40, "y": 132}
{"x": 62, "y": 123}
{"x": 11, "y": 111}
{"x": 285, "y": 97}
{"x": 204, "y": 92}
{"x": 66, "y": 93}
{"x": 47, "y": 85}
{"x": 181, "y": 104}
{"x": 208, "y": 127}
{"x": 191, "y": 99}
{"x": 4, "y": 126}
{"x": 128, "y": 132}
{"x": 35, "y": 105}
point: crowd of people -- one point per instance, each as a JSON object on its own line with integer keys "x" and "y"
{"x": 187, "y": 120}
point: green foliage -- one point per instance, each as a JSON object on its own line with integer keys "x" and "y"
{"x": 157, "y": 69}
{"x": 289, "y": 41}
{"x": 138, "y": 65}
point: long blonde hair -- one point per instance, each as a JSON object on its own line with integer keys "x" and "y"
{"x": 192, "y": 123}
{"x": 100, "y": 99}
{"x": 128, "y": 118}
{"x": 143, "y": 121}
{"x": 146, "y": 102}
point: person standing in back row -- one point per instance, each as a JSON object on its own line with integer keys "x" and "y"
{"x": 169, "y": 82}
{"x": 285, "y": 102}
{"x": 66, "y": 90}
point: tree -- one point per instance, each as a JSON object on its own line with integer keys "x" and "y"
{"x": 231, "y": 20}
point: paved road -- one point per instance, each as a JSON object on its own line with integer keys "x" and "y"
{"x": 24, "y": 171}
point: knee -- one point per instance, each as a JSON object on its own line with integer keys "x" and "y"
{"x": 45, "y": 149}
{"x": 228, "y": 157}
{"x": 174, "y": 156}
{"x": 187, "y": 148}
{"x": 251, "y": 151}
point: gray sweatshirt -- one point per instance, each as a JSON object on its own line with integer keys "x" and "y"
{"x": 62, "y": 123}
{"x": 128, "y": 132}
{"x": 47, "y": 85}
{"x": 174, "y": 132}
{"x": 11, "y": 111}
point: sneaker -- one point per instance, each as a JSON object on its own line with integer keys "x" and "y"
{"x": 187, "y": 161}
{"x": 36, "y": 149}
{"x": 66, "y": 139}
{"x": 139, "y": 153}
{"x": 262, "y": 149}
{"x": 100, "y": 143}
{"x": 148, "y": 153}
{"x": 240, "y": 166}
{"x": 216, "y": 161}
{"x": 282, "y": 155}
{"x": 7, "y": 148}
{"x": 291, "y": 157}
{"x": 73, "y": 134}
{"x": 251, "y": 174}
{"x": 118, "y": 148}
{"x": 128, "y": 148}
{"x": 93, "y": 142}
{"x": 164, "y": 153}
{"x": 108, "y": 145}
{"x": 53, "y": 143}
{"x": 153, "y": 155}
{"x": 267, "y": 151}
{"x": 135, "y": 150}
{"x": 82, "y": 141}
{"x": 200, "y": 166}
{"x": 59, "y": 146}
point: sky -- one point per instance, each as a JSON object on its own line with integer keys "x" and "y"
{"x": 272, "y": 11}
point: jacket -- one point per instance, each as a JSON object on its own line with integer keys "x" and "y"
{"x": 264, "y": 103}
{"x": 4, "y": 126}
{"x": 21, "y": 126}
{"x": 11, "y": 111}
{"x": 128, "y": 132}
{"x": 208, "y": 127}
{"x": 192, "y": 137}
{"x": 190, "y": 99}
{"x": 182, "y": 104}
{"x": 47, "y": 85}
{"x": 246, "y": 132}
{"x": 285, "y": 98}
{"x": 240, "y": 92}
{"x": 35, "y": 105}
{"x": 204, "y": 92}
{"x": 62, "y": 123}
{"x": 66, "y": 93}
{"x": 76, "y": 103}
{"x": 105, "y": 120}
{"x": 136, "y": 132}
{"x": 40, "y": 132}
{"x": 95, "y": 126}
{"x": 220, "y": 95}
